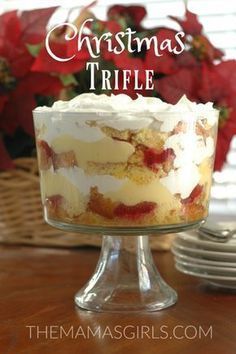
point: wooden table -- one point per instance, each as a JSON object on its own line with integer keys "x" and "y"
{"x": 36, "y": 294}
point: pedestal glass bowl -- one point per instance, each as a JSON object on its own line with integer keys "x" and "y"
{"x": 125, "y": 181}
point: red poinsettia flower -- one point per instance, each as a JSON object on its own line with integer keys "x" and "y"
{"x": 166, "y": 62}
{"x": 64, "y": 57}
{"x": 189, "y": 24}
{"x": 133, "y": 14}
{"x": 203, "y": 49}
{"x": 107, "y": 26}
{"x": 12, "y": 47}
{"x": 19, "y": 86}
{"x": 17, "y": 111}
{"x": 172, "y": 87}
{"x": 212, "y": 86}
{"x": 227, "y": 71}
{"x": 47, "y": 64}
{"x": 186, "y": 60}
{"x": 200, "y": 45}
{"x": 18, "y": 31}
{"x": 33, "y": 24}
{"x": 218, "y": 86}
{"x": 3, "y": 100}
{"x": 125, "y": 61}
{"x": 168, "y": 35}
{"x": 21, "y": 101}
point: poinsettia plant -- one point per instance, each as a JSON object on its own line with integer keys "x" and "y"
{"x": 20, "y": 87}
{"x": 29, "y": 76}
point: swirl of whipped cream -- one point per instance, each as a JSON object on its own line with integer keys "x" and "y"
{"x": 122, "y": 112}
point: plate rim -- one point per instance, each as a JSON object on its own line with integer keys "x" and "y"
{"x": 204, "y": 252}
{"x": 201, "y": 266}
{"x": 202, "y": 260}
{"x": 210, "y": 244}
{"x": 206, "y": 276}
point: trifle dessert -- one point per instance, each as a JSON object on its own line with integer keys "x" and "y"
{"x": 118, "y": 162}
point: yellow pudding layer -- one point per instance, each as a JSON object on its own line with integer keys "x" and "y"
{"x": 205, "y": 169}
{"x": 103, "y": 151}
{"x": 132, "y": 193}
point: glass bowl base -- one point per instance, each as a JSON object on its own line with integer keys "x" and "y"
{"x": 125, "y": 300}
{"x": 122, "y": 230}
{"x": 125, "y": 279}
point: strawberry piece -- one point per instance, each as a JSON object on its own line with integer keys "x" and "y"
{"x": 195, "y": 194}
{"x": 153, "y": 158}
{"x": 134, "y": 211}
{"x": 45, "y": 154}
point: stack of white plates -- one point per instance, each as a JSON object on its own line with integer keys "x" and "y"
{"x": 212, "y": 261}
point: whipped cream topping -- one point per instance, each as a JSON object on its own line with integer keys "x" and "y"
{"x": 90, "y": 102}
{"x": 122, "y": 112}
{"x": 190, "y": 148}
{"x": 50, "y": 129}
{"x": 190, "y": 151}
{"x": 182, "y": 180}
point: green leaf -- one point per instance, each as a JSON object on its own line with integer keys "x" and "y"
{"x": 122, "y": 22}
{"x": 224, "y": 115}
{"x": 34, "y": 49}
{"x": 68, "y": 79}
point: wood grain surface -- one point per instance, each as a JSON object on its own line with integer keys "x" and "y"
{"x": 37, "y": 312}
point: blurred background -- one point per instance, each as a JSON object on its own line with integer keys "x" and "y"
{"x": 212, "y": 50}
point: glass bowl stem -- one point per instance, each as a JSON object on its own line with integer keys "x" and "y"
{"x": 125, "y": 279}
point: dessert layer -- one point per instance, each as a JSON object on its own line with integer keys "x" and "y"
{"x": 71, "y": 181}
{"x": 178, "y": 160}
{"x": 117, "y": 161}
{"x": 103, "y": 151}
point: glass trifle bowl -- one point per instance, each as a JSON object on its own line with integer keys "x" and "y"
{"x": 125, "y": 169}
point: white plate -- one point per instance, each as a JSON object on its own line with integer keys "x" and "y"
{"x": 193, "y": 239}
{"x": 222, "y": 281}
{"x": 206, "y": 254}
{"x": 227, "y": 271}
{"x": 201, "y": 260}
